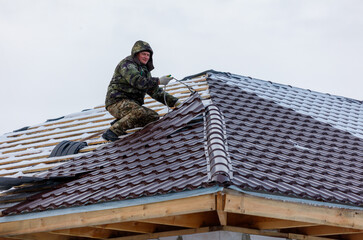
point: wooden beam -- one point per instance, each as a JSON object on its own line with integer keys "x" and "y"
{"x": 9, "y": 238}
{"x": 258, "y": 206}
{"x": 195, "y": 220}
{"x": 220, "y": 203}
{"x": 327, "y": 231}
{"x": 138, "y": 227}
{"x": 353, "y": 237}
{"x": 279, "y": 224}
{"x": 88, "y": 232}
{"x": 272, "y": 234}
{"x": 164, "y": 234}
{"x": 41, "y": 236}
{"x": 175, "y": 207}
{"x": 219, "y": 228}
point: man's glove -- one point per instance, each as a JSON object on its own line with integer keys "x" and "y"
{"x": 177, "y": 104}
{"x": 164, "y": 80}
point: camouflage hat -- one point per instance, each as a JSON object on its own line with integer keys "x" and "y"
{"x": 141, "y": 46}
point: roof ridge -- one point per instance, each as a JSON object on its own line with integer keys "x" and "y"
{"x": 218, "y": 160}
{"x": 279, "y": 85}
{"x": 340, "y": 112}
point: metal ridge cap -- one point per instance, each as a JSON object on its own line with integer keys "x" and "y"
{"x": 218, "y": 160}
{"x": 112, "y": 205}
{"x": 197, "y": 74}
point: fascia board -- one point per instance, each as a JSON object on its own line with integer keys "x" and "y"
{"x": 295, "y": 200}
{"x": 112, "y": 205}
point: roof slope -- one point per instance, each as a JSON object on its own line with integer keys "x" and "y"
{"x": 25, "y": 154}
{"x": 246, "y": 140}
{"x": 165, "y": 156}
{"x": 278, "y": 150}
{"x": 341, "y": 112}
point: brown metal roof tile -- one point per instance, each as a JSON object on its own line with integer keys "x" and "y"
{"x": 155, "y": 164}
{"x": 276, "y": 149}
{"x": 252, "y": 142}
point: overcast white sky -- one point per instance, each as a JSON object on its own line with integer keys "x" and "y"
{"x": 57, "y": 57}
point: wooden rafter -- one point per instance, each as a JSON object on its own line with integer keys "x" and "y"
{"x": 269, "y": 223}
{"x": 137, "y": 227}
{"x": 327, "y": 230}
{"x": 352, "y": 237}
{"x": 194, "y": 220}
{"x": 88, "y": 232}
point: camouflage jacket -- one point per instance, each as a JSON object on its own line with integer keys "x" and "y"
{"x": 132, "y": 80}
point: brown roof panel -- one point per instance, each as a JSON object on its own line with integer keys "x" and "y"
{"x": 278, "y": 150}
{"x": 156, "y": 160}
{"x": 245, "y": 139}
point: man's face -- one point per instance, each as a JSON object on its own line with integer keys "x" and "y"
{"x": 143, "y": 57}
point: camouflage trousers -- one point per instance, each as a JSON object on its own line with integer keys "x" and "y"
{"x": 130, "y": 115}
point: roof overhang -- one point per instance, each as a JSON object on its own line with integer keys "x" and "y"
{"x": 189, "y": 212}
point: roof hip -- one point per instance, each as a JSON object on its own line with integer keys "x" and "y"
{"x": 218, "y": 160}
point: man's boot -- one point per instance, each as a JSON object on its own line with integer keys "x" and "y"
{"x": 110, "y": 136}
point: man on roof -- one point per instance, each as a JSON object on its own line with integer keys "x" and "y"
{"x": 126, "y": 92}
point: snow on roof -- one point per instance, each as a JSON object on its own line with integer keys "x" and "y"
{"x": 26, "y": 152}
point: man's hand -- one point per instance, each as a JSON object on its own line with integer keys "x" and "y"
{"x": 177, "y": 104}
{"x": 164, "y": 80}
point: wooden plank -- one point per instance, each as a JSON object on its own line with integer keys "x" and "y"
{"x": 195, "y": 220}
{"x": 45, "y": 125}
{"x": 46, "y": 131}
{"x": 138, "y": 227}
{"x": 279, "y": 224}
{"x": 46, "y": 161}
{"x": 219, "y": 228}
{"x": 353, "y": 237}
{"x": 258, "y": 206}
{"x": 327, "y": 231}
{"x": 88, "y": 232}
{"x": 272, "y": 233}
{"x": 133, "y": 213}
{"x": 19, "y": 141}
{"x": 53, "y": 143}
{"x": 73, "y": 119}
{"x": 220, "y": 203}
{"x": 164, "y": 234}
{"x": 41, "y": 236}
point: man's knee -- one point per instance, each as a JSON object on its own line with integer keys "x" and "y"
{"x": 139, "y": 116}
{"x": 143, "y": 116}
